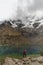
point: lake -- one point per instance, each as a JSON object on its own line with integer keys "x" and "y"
{"x": 32, "y": 49}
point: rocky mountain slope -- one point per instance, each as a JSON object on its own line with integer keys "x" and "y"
{"x": 17, "y": 33}
{"x": 11, "y": 36}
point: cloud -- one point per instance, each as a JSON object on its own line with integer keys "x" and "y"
{"x": 23, "y": 6}
{"x": 7, "y": 8}
{"x": 38, "y": 5}
{"x": 11, "y": 8}
{"x": 39, "y": 13}
{"x": 32, "y": 2}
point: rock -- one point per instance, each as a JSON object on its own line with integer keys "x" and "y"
{"x": 33, "y": 59}
{"x": 35, "y": 63}
{"x": 20, "y": 63}
{"x": 40, "y": 59}
{"x": 15, "y": 60}
{"x": 8, "y": 61}
{"x": 24, "y": 61}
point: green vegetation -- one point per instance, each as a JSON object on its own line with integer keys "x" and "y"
{"x": 34, "y": 55}
{"x": 41, "y": 53}
{"x": 2, "y": 57}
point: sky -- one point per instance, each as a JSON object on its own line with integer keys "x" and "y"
{"x": 14, "y": 8}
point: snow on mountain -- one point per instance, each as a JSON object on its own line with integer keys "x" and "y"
{"x": 29, "y": 19}
{"x": 35, "y": 18}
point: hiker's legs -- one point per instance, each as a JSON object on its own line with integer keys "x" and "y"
{"x": 24, "y": 55}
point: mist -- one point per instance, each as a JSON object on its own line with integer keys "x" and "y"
{"x": 7, "y": 9}
{"x": 12, "y": 9}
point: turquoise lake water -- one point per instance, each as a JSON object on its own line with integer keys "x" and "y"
{"x": 12, "y": 50}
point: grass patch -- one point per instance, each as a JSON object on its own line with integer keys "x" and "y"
{"x": 2, "y": 57}
{"x": 41, "y": 53}
{"x": 34, "y": 55}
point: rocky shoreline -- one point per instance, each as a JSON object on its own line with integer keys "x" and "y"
{"x": 24, "y": 61}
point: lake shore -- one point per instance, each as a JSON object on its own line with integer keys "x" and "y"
{"x": 29, "y": 60}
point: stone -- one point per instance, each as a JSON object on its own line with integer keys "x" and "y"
{"x": 40, "y": 59}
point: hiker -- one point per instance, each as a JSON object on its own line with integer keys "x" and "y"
{"x": 24, "y": 53}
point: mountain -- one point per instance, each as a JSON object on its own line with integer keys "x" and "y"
{"x": 18, "y": 33}
{"x": 11, "y": 36}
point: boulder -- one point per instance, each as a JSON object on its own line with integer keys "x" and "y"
{"x": 40, "y": 59}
